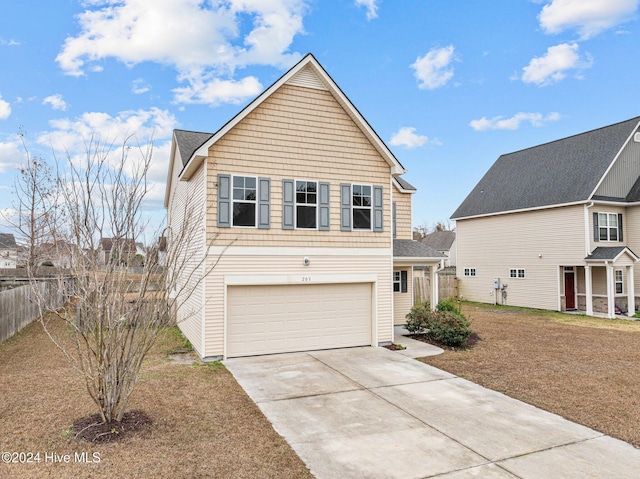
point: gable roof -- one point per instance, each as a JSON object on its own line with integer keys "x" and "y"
{"x": 561, "y": 172}
{"x": 610, "y": 253}
{"x": 128, "y": 244}
{"x": 7, "y": 241}
{"x": 188, "y": 142}
{"x": 403, "y": 185}
{"x": 307, "y": 71}
{"x": 414, "y": 249}
{"x": 439, "y": 240}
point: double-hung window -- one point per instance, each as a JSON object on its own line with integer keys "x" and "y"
{"x": 400, "y": 281}
{"x": 619, "y": 281}
{"x": 361, "y": 206}
{"x": 306, "y": 204}
{"x": 244, "y": 200}
{"x": 608, "y": 226}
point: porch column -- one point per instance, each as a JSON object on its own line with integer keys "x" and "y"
{"x": 434, "y": 286}
{"x": 611, "y": 305}
{"x": 631, "y": 292}
{"x": 588, "y": 285}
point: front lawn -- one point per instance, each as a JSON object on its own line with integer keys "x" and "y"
{"x": 584, "y": 369}
{"x": 204, "y": 425}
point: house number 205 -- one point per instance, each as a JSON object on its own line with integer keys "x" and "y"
{"x": 306, "y": 279}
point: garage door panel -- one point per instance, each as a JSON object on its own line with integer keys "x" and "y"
{"x": 286, "y": 318}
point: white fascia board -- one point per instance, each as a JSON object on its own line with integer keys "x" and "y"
{"x": 400, "y": 188}
{"x": 172, "y": 156}
{"x": 615, "y": 158}
{"x": 523, "y": 210}
{"x": 409, "y": 260}
{"x": 308, "y": 60}
{"x": 295, "y": 251}
{"x": 297, "y": 278}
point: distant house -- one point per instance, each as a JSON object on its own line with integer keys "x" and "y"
{"x": 443, "y": 242}
{"x": 557, "y": 226}
{"x": 121, "y": 250}
{"x": 58, "y": 253}
{"x": 8, "y": 251}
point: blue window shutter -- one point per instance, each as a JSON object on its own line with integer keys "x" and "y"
{"x": 619, "y": 226}
{"x": 288, "y": 192}
{"x": 393, "y": 220}
{"x": 224, "y": 201}
{"x": 264, "y": 203}
{"x": 596, "y": 231}
{"x": 345, "y": 207}
{"x": 378, "y": 217}
{"x": 323, "y": 206}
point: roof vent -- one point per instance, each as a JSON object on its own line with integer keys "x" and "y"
{"x": 636, "y": 137}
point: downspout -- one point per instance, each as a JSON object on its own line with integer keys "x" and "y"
{"x": 587, "y": 232}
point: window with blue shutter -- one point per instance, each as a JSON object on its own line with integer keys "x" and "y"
{"x": 323, "y": 206}
{"x": 378, "y": 202}
{"x": 224, "y": 201}
{"x": 288, "y": 205}
{"x": 345, "y": 207}
{"x": 264, "y": 203}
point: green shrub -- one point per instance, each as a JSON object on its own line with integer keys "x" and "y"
{"x": 418, "y": 317}
{"x": 449, "y": 305}
{"x": 450, "y": 328}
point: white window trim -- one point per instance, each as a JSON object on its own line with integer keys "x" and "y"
{"x": 295, "y": 203}
{"x": 514, "y": 273}
{"x": 470, "y": 272}
{"x": 616, "y": 282}
{"x": 608, "y": 227}
{"x": 255, "y": 202}
{"x": 397, "y": 281}
{"x": 370, "y": 208}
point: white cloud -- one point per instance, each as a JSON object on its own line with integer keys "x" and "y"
{"x": 194, "y": 37}
{"x": 8, "y": 43}
{"x": 5, "y": 109}
{"x": 371, "y": 6}
{"x": 56, "y": 102}
{"x": 215, "y": 91}
{"x": 513, "y": 123}
{"x": 587, "y": 17}
{"x": 433, "y": 70}
{"x": 556, "y": 64}
{"x": 139, "y": 86}
{"x": 11, "y": 154}
{"x": 407, "y": 137}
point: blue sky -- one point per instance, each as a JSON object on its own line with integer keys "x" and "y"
{"x": 449, "y": 85}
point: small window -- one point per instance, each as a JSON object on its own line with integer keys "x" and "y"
{"x": 361, "y": 205}
{"x": 306, "y": 201}
{"x": 244, "y": 201}
{"x": 469, "y": 272}
{"x": 608, "y": 226}
{"x": 618, "y": 281}
{"x": 516, "y": 273}
{"x": 400, "y": 282}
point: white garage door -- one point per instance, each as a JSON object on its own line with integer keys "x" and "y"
{"x": 286, "y": 318}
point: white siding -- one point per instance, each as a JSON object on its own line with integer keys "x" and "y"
{"x": 538, "y": 241}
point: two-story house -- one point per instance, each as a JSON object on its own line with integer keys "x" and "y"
{"x": 306, "y": 219}
{"x": 558, "y": 224}
{"x": 8, "y": 251}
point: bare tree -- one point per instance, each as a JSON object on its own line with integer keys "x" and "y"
{"x": 114, "y": 316}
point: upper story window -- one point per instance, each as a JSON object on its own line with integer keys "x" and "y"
{"x": 361, "y": 196}
{"x": 306, "y": 204}
{"x": 607, "y": 226}
{"x": 244, "y": 200}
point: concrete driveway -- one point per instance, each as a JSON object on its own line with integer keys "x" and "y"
{"x": 374, "y": 413}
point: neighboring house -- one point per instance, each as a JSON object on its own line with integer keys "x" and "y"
{"x": 444, "y": 242}
{"x": 558, "y": 223}
{"x": 8, "y": 251}
{"x": 299, "y": 194}
{"x": 58, "y": 253}
{"x": 122, "y": 250}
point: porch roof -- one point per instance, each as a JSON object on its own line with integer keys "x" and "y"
{"x": 404, "y": 250}
{"x": 610, "y": 253}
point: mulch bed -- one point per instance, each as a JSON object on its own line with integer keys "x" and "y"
{"x": 93, "y": 429}
{"x": 471, "y": 343}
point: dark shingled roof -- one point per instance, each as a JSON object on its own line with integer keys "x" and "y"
{"x": 412, "y": 248}
{"x": 405, "y": 184}
{"x": 607, "y": 252}
{"x": 439, "y": 240}
{"x": 189, "y": 141}
{"x": 563, "y": 171}
{"x": 7, "y": 241}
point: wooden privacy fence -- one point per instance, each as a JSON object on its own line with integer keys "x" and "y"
{"x": 447, "y": 288}
{"x": 18, "y": 306}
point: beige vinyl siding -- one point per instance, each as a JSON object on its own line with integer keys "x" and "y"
{"x": 403, "y": 214}
{"x": 623, "y": 173}
{"x": 402, "y": 302}
{"x": 597, "y": 208}
{"x": 632, "y": 239}
{"x": 235, "y": 263}
{"x": 187, "y": 200}
{"x": 299, "y": 133}
{"x": 495, "y": 244}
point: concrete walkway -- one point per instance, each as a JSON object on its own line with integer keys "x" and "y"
{"x": 374, "y": 413}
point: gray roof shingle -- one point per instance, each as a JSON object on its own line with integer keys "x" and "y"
{"x": 7, "y": 241}
{"x": 405, "y": 184}
{"x": 563, "y": 171}
{"x": 439, "y": 240}
{"x": 189, "y": 141}
{"x": 607, "y": 252}
{"x": 415, "y": 249}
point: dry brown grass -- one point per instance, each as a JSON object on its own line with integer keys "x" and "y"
{"x": 584, "y": 369}
{"x": 205, "y": 426}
